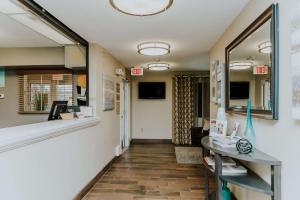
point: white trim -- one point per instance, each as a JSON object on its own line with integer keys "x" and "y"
{"x": 20, "y": 136}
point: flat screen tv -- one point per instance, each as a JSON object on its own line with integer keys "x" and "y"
{"x": 152, "y": 90}
{"x": 239, "y": 90}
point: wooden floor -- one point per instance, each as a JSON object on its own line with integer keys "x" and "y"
{"x": 149, "y": 172}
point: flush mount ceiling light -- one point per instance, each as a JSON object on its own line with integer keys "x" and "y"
{"x": 158, "y": 66}
{"x": 265, "y": 47}
{"x": 154, "y": 48}
{"x": 240, "y": 65}
{"x": 141, "y": 7}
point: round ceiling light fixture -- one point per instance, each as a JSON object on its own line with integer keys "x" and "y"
{"x": 158, "y": 66}
{"x": 154, "y": 48}
{"x": 240, "y": 65}
{"x": 141, "y": 7}
{"x": 265, "y": 47}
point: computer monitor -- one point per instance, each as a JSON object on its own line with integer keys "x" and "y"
{"x": 57, "y": 108}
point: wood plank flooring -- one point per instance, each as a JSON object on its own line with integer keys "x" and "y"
{"x": 150, "y": 172}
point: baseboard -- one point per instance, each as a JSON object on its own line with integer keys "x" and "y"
{"x": 151, "y": 141}
{"x": 91, "y": 184}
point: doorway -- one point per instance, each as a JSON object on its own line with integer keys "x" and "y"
{"x": 125, "y": 135}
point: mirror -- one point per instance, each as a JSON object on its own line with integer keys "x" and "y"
{"x": 41, "y": 61}
{"x": 252, "y": 68}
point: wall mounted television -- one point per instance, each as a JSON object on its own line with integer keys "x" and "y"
{"x": 151, "y": 90}
{"x": 239, "y": 90}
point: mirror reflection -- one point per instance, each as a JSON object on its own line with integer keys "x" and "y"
{"x": 250, "y": 71}
{"x": 38, "y": 65}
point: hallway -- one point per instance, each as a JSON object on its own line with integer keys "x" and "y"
{"x": 149, "y": 171}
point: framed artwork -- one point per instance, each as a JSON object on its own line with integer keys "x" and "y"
{"x": 2, "y": 78}
{"x": 218, "y": 83}
{"x": 295, "y": 51}
{"x": 118, "y": 98}
{"x": 118, "y": 88}
{"x": 214, "y": 82}
{"x": 108, "y": 88}
{"x": 118, "y": 107}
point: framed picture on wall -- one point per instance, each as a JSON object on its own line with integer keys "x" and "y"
{"x": 218, "y": 82}
{"x": 214, "y": 82}
{"x": 295, "y": 51}
{"x": 118, "y": 107}
{"x": 2, "y": 78}
{"x": 108, "y": 88}
{"x": 118, "y": 88}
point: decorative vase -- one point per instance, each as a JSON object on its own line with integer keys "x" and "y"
{"x": 226, "y": 194}
{"x": 249, "y": 132}
{"x": 221, "y": 114}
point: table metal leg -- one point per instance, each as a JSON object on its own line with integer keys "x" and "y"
{"x": 218, "y": 173}
{"x": 276, "y": 182}
{"x": 206, "y": 174}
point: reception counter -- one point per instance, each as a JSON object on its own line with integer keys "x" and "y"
{"x": 54, "y": 160}
{"x": 19, "y": 136}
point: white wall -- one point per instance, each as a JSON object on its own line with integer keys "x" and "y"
{"x": 152, "y": 119}
{"x": 57, "y": 169}
{"x": 277, "y": 138}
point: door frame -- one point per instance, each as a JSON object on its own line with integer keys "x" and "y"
{"x": 125, "y": 108}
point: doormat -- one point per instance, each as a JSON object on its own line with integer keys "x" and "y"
{"x": 188, "y": 155}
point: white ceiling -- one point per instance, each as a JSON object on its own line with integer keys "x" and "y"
{"x": 15, "y": 34}
{"x": 190, "y": 26}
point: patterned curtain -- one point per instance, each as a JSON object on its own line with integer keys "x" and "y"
{"x": 183, "y": 109}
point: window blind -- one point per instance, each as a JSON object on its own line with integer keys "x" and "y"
{"x": 37, "y": 91}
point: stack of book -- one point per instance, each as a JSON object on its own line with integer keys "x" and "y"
{"x": 229, "y": 166}
{"x": 224, "y": 142}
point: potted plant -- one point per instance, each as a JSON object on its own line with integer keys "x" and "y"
{"x": 40, "y": 101}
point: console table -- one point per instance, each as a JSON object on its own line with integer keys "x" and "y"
{"x": 250, "y": 180}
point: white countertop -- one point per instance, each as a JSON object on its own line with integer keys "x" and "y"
{"x": 19, "y": 136}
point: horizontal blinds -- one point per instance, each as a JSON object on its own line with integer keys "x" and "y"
{"x": 30, "y": 72}
{"x": 38, "y": 91}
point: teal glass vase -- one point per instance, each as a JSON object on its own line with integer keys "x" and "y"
{"x": 249, "y": 131}
{"x": 226, "y": 194}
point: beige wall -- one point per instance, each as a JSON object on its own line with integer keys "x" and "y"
{"x": 9, "y": 105}
{"x": 102, "y": 62}
{"x": 152, "y": 119}
{"x": 277, "y": 138}
{"x": 32, "y": 56}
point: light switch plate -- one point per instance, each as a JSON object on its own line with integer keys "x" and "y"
{"x": 1, "y": 96}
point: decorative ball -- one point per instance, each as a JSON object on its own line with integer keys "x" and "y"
{"x": 244, "y": 146}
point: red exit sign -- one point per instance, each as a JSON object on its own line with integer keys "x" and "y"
{"x": 137, "y": 71}
{"x": 260, "y": 70}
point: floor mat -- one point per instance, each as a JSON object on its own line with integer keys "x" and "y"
{"x": 188, "y": 155}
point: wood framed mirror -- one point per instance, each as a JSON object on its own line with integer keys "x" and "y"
{"x": 252, "y": 68}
